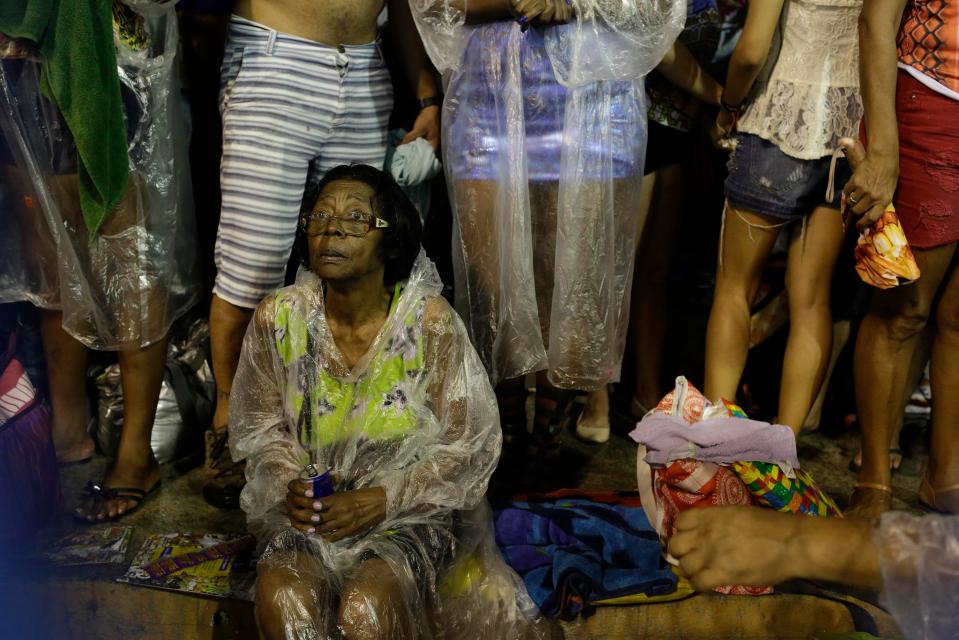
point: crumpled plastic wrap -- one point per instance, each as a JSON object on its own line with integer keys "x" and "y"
{"x": 919, "y": 558}
{"x": 124, "y": 286}
{"x": 544, "y": 135}
{"x": 184, "y": 407}
{"x": 415, "y": 416}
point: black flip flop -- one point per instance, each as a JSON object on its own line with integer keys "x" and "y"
{"x": 103, "y": 494}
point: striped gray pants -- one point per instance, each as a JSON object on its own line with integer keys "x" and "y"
{"x": 288, "y": 105}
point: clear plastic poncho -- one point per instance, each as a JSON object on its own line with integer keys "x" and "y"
{"x": 122, "y": 286}
{"x": 919, "y": 557}
{"x": 544, "y": 137}
{"x": 416, "y": 416}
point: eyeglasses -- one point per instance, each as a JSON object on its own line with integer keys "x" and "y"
{"x": 358, "y": 224}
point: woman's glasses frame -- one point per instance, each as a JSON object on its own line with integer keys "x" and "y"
{"x": 318, "y": 223}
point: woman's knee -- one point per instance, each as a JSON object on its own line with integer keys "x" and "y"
{"x": 371, "y": 605}
{"x": 281, "y": 597}
{"x": 905, "y": 322}
{"x": 805, "y": 299}
{"x": 366, "y": 612}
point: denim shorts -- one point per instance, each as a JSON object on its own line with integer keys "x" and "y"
{"x": 763, "y": 179}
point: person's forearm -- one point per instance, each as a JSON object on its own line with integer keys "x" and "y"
{"x": 681, "y": 69}
{"x": 752, "y": 50}
{"x": 836, "y": 550}
{"x": 478, "y": 11}
{"x": 419, "y": 70}
{"x": 744, "y": 68}
{"x": 878, "y": 27}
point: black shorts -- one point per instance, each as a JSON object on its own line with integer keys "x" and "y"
{"x": 665, "y": 146}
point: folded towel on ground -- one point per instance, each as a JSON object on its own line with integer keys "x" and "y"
{"x": 576, "y": 547}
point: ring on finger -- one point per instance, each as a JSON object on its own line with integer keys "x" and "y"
{"x": 853, "y": 199}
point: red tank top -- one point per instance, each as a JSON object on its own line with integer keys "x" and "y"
{"x": 929, "y": 44}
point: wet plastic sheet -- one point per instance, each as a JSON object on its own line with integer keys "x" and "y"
{"x": 919, "y": 557}
{"x": 122, "y": 287}
{"x": 415, "y": 416}
{"x": 544, "y": 135}
{"x": 184, "y": 407}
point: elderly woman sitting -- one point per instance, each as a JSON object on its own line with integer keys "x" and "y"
{"x": 362, "y": 368}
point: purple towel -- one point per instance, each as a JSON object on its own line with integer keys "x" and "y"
{"x": 719, "y": 440}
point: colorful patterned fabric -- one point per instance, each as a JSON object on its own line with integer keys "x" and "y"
{"x": 29, "y": 475}
{"x": 884, "y": 258}
{"x": 669, "y": 105}
{"x": 773, "y": 489}
{"x": 928, "y": 44}
{"x": 335, "y": 413}
{"x": 691, "y": 484}
{"x": 129, "y": 27}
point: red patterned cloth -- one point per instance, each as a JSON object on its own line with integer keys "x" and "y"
{"x": 688, "y": 484}
{"x": 927, "y": 200}
{"x": 29, "y": 475}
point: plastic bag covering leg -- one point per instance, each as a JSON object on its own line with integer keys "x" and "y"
{"x": 124, "y": 286}
{"x": 544, "y": 138}
{"x": 415, "y": 416}
{"x": 919, "y": 557}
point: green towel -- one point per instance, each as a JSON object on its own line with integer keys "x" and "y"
{"x": 75, "y": 39}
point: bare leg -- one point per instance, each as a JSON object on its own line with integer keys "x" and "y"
{"x": 650, "y": 282}
{"x": 840, "y": 337}
{"x": 141, "y": 374}
{"x": 920, "y": 357}
{"x": 479, "y": 250}
{"x": 808, "y": 274}
{"x": 551, "y": 405}
{"x": 593, "y": 423}
{"x": 66, "y": 366}
{"x": 228, "y": 324}
{"x": 372, "y": 604}
{"x": 888, "y": 336}
{"x": 943, "y": 472}
{"x": 511, "y": 398}
{"x": 746, "y": 246}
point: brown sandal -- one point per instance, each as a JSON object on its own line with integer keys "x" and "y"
{"x": 869, "y": 511}
{"x": 934, "y": 499}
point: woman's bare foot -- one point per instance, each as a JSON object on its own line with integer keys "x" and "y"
{"x": 73, "y": 448}
{"x": 143, "y": 475}
{"x": 593, "y": 423}
{"x": 895, "y": 460}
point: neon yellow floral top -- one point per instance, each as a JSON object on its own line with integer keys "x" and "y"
{"x": 376, "y": 406}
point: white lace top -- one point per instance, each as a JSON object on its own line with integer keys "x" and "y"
{"x": 810, "y": 98}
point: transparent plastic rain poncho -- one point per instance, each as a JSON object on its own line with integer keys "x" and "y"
{"x": 416, "y": 416}
{"x": 122, "y": 286}
{"x": 544, "y": 137}
{"x": 919, "y": 556}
